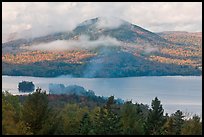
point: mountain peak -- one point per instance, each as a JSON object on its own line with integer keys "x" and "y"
{"x": 104, "y": 22}
{"x": 110, "y": 22}
{"x": 116, "y": 28}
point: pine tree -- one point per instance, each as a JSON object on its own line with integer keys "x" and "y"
{"x": 85, "y": 125}
{"x": 155, "y": 119}
{"x": 9, "y": 126}
{"x": 107, "y": 122}
{"x": 169, "y": 127}
{"x": 71, "y": 116}
{"x": 192, "y": 126}
{"x": 110, "y": 102}
{"x": 35, "y": 110}
{"x": 132, "y": 119}
{"x": 178, "y": 121}
{"x": 114, "y": 123}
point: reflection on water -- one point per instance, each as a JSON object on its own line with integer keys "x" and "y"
{"x": 175, "y": 92}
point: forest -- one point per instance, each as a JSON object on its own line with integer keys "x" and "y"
{"x": 48, "y": 114}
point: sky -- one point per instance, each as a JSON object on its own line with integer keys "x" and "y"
{"x": 32, "y": 19}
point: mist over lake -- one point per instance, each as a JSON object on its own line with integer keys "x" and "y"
{"x": 175, "y": 92}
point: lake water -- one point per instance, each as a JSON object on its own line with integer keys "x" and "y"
{"x": 175, "y": 92}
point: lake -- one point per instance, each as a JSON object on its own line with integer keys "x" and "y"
{"x": 175, "y": 92}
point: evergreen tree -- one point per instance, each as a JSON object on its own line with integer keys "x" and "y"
{"x": 34, "y": 116}
{"x": 71, "y": 116}
{"x": 8, "y": 121}
{"x": 193, "y": 126}
{"x": 85, "y": 125}
{"x": 178, "y": 121}
{"x": 11, "y": 123}
{"x": 51, "y": 125}
{"x": 155, "y": 119}
{"x": 169, "y": 127}
{"x": 114, "y": 123}
{"x": 110, "y": 102}
{"x": 107, "y": 121}
{"x": 35, "y": 110}
{"x": 132, "y": 119}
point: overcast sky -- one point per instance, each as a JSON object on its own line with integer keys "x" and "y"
{"x": 37, "y": 19}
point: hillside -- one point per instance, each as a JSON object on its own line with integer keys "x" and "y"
{"x": 42, "y": 114}
{"x": 103, "y": 47}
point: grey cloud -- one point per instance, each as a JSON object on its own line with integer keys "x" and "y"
{"x": 45, "y": 18}
{"x": 83, "y": 42}
{"x": 150, "y": 49}
{"x": 109, "y": 22}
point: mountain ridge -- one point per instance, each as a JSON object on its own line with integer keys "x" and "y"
{"x": 148, "y": 53}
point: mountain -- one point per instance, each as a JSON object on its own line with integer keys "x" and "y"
{"x": 125, "y": 32}
{"x": 105, "y": 47}
{"x": 182, "y": 37}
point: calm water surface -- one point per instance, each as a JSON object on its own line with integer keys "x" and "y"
{"x": 175, "y": 92}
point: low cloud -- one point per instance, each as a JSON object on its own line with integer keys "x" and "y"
{"x": 150, "y": 49}
{"x": 45, "y": 18}
{"x": 83, "y": 42}
{"x": 109, "y": 22}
